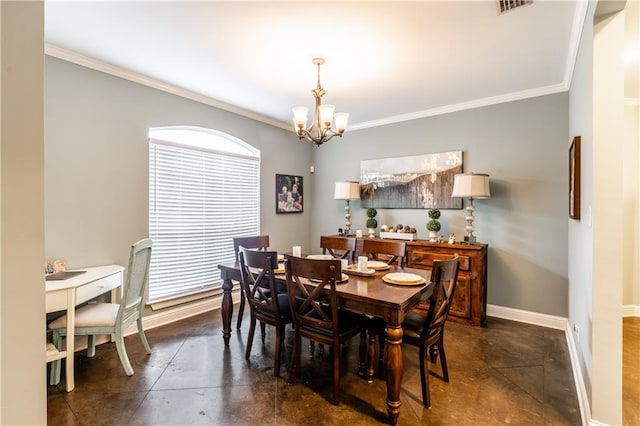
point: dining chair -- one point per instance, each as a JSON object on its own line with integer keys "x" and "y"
{"x": 311, "y": 285}
{"x": 112, "y": 318}
{"x": 265, "y": 303}
{"x": 260, "y": 242}
{"x": 385, "y": 250}
{"x": 338, "y": 247}
{"x": 427, "y": 333}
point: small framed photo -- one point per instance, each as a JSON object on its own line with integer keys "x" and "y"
{"x": 574, "y": 178}
{"x": 289, "y": 192}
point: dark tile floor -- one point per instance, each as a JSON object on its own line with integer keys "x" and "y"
{"x": 631, "y": 371}
{"x": 508, "y": 372}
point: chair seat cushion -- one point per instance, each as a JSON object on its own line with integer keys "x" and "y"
{"x": 92, "y": 315}
{"x": 285, "y": 307}
{"x": 348, "y": 323}
{"x": 413, "y": 324}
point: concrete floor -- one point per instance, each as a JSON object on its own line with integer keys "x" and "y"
{"x": 508, "y": 372}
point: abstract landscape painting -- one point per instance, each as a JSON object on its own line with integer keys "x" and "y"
{"x": 414, "y": 182}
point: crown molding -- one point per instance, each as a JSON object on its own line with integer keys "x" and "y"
{"x": 579, "y": 18}
{"x": 117, "y": 71}
{"x": 478, "y": 103}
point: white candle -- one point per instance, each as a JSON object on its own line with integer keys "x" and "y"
{"x": 345, "y": 263}
{"x": 362, "y": 263}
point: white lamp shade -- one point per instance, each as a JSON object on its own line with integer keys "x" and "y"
{"x": 347, "y": 191}
{"x": 300, "y": 117}
{"x": 341, "y": 119}
{"x": 471, "y": 185}
{"x": 326, "y": 114}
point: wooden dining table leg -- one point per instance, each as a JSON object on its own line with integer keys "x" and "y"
{"x": 394, "y": 367}
{"x": 227, "y": 309}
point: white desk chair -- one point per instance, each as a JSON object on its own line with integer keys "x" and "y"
{"x": 112, "y": 318}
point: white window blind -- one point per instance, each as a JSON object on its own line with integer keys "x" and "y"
{"x": 199, "y": 199}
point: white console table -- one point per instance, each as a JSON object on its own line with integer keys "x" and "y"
{"x": 65, "y": 295}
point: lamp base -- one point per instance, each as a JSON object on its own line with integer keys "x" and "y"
{"x": 470, "y": 239}
{"x": 347, "y": 219}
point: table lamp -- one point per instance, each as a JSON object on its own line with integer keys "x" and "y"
{"x": 348, "y": 191}
{"x": 470, "y": 185}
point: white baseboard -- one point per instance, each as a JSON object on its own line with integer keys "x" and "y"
{"x": 631, "y": 310}
{"x": 535, "y": 318}
{"x": 180, "y": 312}
{"x": 581, "y": 390}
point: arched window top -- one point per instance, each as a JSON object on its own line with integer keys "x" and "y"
{"x": 204, "y": 139}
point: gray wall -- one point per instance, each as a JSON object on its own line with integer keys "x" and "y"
{"x": 96, "y": 177}
{"x": 523, "y": 146}
{"x": 96, "y": 163}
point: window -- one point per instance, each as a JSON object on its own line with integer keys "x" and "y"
{"x": 203, "y": 191}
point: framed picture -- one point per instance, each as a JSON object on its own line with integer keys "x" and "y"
{"x": 289, "y": 192}
{"x": 574, "y": 178}
{"x": 415, "y": 182}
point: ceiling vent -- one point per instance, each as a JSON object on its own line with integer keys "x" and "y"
{"x": 507, "y": 5}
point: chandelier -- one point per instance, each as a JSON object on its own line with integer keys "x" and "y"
{"x": 320, "y": 130}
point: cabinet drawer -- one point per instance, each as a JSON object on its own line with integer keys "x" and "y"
{"x": 98, "y": 287}
{"x": 423, "y": 258}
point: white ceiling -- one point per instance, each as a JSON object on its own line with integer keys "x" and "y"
{"x": 385, "y": 61}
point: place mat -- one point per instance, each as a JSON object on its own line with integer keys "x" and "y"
{"x": 377, "y": 265}
{"x": 320, "y": 257}
{"x": 403, "y": 278}
{"x": 280, "y": 269}
{"x": 353, "y": 269}
{"x": 343, "y": 279}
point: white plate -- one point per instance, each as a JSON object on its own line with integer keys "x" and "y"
{"x": 403, "y": 278}
{"x": 320, "y": 257}
{"x": 377, "y": 265}
{"x": 343, "y": 278}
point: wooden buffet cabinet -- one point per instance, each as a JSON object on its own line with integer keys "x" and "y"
{"x": 470, "y": 299}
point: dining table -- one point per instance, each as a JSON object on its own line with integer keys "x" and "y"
{"x": 370, "y": 295}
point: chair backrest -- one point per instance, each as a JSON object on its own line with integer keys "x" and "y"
{"x": 136, "y": 281}
{"x": 314, "y": 305}
{"x": 338, "y": 247}
{"x": 256, "y": 269}
{"x": 444, "y": 276}
{"x": 392, "y": 251}
{"x": 256, "y": 242}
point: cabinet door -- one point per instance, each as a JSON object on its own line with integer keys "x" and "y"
{"x": 461, "y": 304}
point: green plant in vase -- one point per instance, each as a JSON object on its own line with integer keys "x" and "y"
{"x": 372, "y": 223}
{"x": 433, "y": 225}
